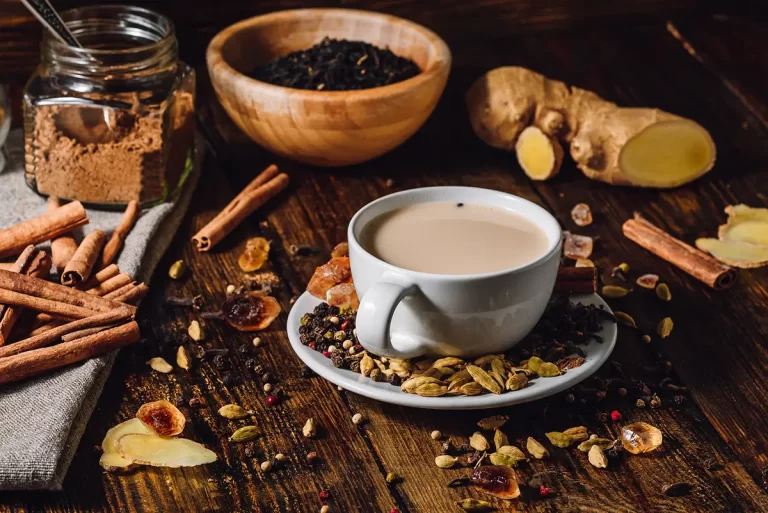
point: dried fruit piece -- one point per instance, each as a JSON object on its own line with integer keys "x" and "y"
{"x": 160, "y": 365}
{"x": 493, "y": 422}
{"x": 536, "y": 449}
{"x": 663, "y": 292}
{"x": 343, "y": 295}
{"x": 664, "y": 328}
{"x": 159, "y": 451}
{"x": 333, "y": 273}
{"x": 162, "y": 417}
{"x": 244, "y": 434}
{"x": 254, "y": 254}
{"x": 584, "y": 262}
{"x": 577, "y": 247}
{"x": 615, "y": 291}
{"x": 640, "y": 437}
{"x": 499, "y": 439}
{"x": 597, "y": 457}
{"x": 737, "y": 254}
{"x": 310, "y": 429}
{"x": 473, "y": 505}
{"x": 581, "y": 214}
{"x": 233, "y": 412}
{"x": 604, "y": 443}
{"x": 445, "y": 461}
{"x": 482, "y": 377}
{"x": 250, "y": 312}
{"x": 497, "y": 480}
{"x": 625, "y": 319}
{"x": 182, "y": 358}
{"x": 111, "y": 460}
{"x": 648, "y": 281}
{"x": 478, "y": 442}
{"x": 195, "y": 331}
{"x": 341, "y": 250}
{"x": 177, "y": 270}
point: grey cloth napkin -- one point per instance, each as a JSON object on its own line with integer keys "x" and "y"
{"x": 42, "y": 419}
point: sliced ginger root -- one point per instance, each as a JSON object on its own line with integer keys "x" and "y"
{"x": 736, "y": 254}
{"x": 111, "y": 460}
{"x": 159, "y": 451}
{"x": 627, "y": 146}
{"x": 745, "y": 224}
{"x": 539, "y": 155}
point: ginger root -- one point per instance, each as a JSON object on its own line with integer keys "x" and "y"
{"x": 736, "y": 254}
{"x": 626, "y": 146}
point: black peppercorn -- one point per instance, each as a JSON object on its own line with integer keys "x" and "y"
{"x": 180, "y": 401}
{"x": 569, "y": 398}
{"x": 679, "y": 400}
{"x": 243, "y": 349}
{"x": 338, "y": 360}
{"x": 198, "y": 351}
{"x": 393, "y": 379}
{"x": 219, "y": 361}
{"x": 354, "y": 366}
{"x": 306, "y": 372}
{"x": 228, "y": 380}
{"x": 250, "y": 452}
{"x": 250, "y": 363}
{"x": 612, "y": 453}
{"x": 258, "y": 369}
{"x": 195, "y": 402}
{"x": 377, "y": 375}
{"x": 266, "y": 377}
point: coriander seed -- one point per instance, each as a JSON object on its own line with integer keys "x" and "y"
{"x": 266, "y": 466}
{"x": 280, "y": 457}
{"x": 334, "y": 320}
{"x": 325, "y": 509}
{"x": 256, "y": 341}
{"x": 267, "y": 388}
{"x": 357, "y": 419}
{"x": 436, "y": 435}
{"x": 230, "y": 289}
{"x": 331, "y": 349}
{"x": 347, "y": 344}
{"x": 352, "y": 350}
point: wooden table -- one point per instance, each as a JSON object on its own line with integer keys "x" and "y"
{"x": 680, "y": 57}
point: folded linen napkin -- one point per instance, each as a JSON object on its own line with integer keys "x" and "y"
{"x": 42, "y": 419}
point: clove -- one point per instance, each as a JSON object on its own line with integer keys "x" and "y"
{"x": 196, "y": 302}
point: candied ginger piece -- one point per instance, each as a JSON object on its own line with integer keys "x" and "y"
{"x": 582, "y": 214}
{"x": 327, "y": 276}
{"x": 254, "y": 255}
{"x": 341, "y": 250}
{"x": 577, "y": 247}
{"x": 343, "y": 295}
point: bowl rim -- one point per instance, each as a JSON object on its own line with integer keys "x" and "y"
{"x": 215, "y": 59}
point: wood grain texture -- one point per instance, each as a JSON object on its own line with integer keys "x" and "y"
{"x": 716, "y": 347}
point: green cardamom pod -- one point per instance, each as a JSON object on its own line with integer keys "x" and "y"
{"x": 482, "y": 377}
{"x": 500, "y": 439}
{"x": 536, "y": 449}
{"x": 603, "y": 443}
{"x": 664, "y": 328}
{"x": 473, "y": 505}
{"x": 559, "y": 439}
{"x": 512, "y": 452}
{"x": 516, "y": 381}
{"x": 625, "y": 319}
{"x": 663, "y": 292}
{"x": 499, "y": 458}
{"x": 578, "y": 433}
{"x": 615, "y": 291}
{"x": 548, "y": 370}
{"x": 245, "y": 434}
{"x": 492, "y": 422}
{"x": 233, "y": 411}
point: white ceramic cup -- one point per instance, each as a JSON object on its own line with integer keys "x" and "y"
{"x": 406, "y": 313}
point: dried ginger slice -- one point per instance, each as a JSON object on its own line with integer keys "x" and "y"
{"x": 745, "y": 224}
{"x": 111, "y": 460}
{"x": 159, "y": 451}
{"x": 327, "y": 276}
{"x": 343, "y": 295}
{"x": 736, "y": 254}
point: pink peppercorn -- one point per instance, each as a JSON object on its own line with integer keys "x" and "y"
{"x": 543, "y": 491}
{"x": 271, "y": 400}
{"x": 324, "y": 495}
{"x": 326, "y": 354}
{"x": 394, "y": 510}
{"x": 615, "y": 416}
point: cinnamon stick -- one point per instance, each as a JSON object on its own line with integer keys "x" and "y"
{"x": 45, "y": 227}
{"x": 32, "y": 262}
{"x": 110, "y": 285}
{"x": 576, "y": 280}
{"x": 64, "y": 246}
{"x": 100, "y": 277}
{"x": 80, "y": 266}
{"x": 85, "y": 332}
{"x": 132, "y": 296}
{"x": 52, "y": 291}
{"x": 6, "y": 265}
{"x": 261, "y": 189}
{"x": 38, "y": 304}
{"x": 112, "y": 248}
{"x": 54, "y": 334}
{"x": 37, "y": 361}
{"x": 691, "y": 260}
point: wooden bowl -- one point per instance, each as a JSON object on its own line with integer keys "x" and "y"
{"x": 326, "y": 128}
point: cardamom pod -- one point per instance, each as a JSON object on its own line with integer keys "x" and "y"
{"x": 245, "y": 434}
{"x": 478, "y": 442}
{"x": 537, "y": 450}
{"x": 195, "y": 331}
{"x": 492, "y": 422}
{"x": 177, "y": 269}
{"x": 462, "y": 374}
{"x": 310, "y": 429}
{"x": 648, "y": 281}
{"x": 445, "y": 461}
{"x": 497, "y": 366}
{"x": 379, "y": 364}
{"x": 471, "y": 389}
{"x": 411, "y": 384}
{"x": 578, "y": 433}
{"x": 499, "y": 439}
{"x": 483, "y": 360}
{"x": 432, "y": 372}
{"x": 542, "y": 368}
{"x": 473, "y": 505}
{"x": 431, "y": 390}
{"x": 233, "y": 412}
{"x": 160, "y": 365}
{"x": 597, "y": 457}
{"x": 663, "y": 292}
{"x": 615, "y": 291}
{"x": 182, "y": 358}
{"x": 500, "y": 380}
{"x": 454, "y": 387}
{"x": 512, "y": 451}
{"x": 533, "y": 363}
{"x": 482, "y": 377}
{"x": 450, "y": 361}
{"x": 584, "y": 262}
{"x": 625, "y": 319}
{"x": 559, "y": 439}
{"x": 664, "y": 328}
{"x": 603, "y": 443}
{"x": 423, "y": 365}
{"x": 392, "y": 478}
{"x": 499, "y": 458}
{"x": 366, "y": 365}
{"x": 516, "y": 381}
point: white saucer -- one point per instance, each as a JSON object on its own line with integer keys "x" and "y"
{"x": 596, "y": 354}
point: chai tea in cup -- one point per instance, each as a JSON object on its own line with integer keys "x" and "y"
{"x": 454, "y": 238}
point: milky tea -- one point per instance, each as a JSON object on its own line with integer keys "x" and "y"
{"x": 454, "y": 238}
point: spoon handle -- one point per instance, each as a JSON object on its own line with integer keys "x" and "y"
{"x": 44, "y": 11}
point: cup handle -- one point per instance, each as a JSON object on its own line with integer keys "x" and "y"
{"x": 374, "y": 316}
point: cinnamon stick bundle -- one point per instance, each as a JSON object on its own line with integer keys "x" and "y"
{"x": 100, "y": 277}
{"x": 64, "y": 246}
{"x": 32, "y": 262}
{"x": 44, "y": 227}
{"x": 691, "y": 260}
{"x": 110, "y": 285}
{"x": 56, "y": 333}
{"x": 38, "y": 304}
{"x": 37, "y": 361}
{"x": 261, "y": 189}
{"x": 81, "y": 265}
{"x": 576, "y": 280}
{"x": 112, "y": 248}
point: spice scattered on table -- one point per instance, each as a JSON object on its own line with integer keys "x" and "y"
{"x": 337, "y": 65}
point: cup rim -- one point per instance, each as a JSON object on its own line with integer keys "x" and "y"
{"x": 555, "y": 247}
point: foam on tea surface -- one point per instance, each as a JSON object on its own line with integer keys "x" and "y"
{"x": 454, "y": 238}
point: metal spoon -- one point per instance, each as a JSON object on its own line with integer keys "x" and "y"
{"x": 44, "y": 11}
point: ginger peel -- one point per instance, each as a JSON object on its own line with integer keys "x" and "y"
{"x": 625, "y": 146}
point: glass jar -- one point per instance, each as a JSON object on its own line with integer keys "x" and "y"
{"x": 112, "y": 121}
{"x": 5, "y": 124}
